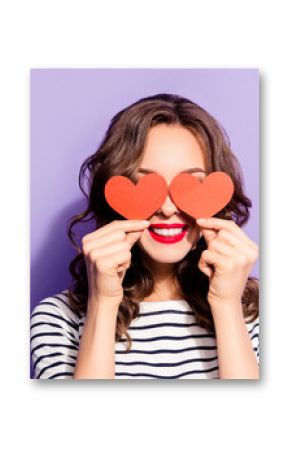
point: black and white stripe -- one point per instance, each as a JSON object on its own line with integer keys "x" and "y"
{"x": 167, "y": 343}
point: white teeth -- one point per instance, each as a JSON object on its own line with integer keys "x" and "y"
{"x": 168, "y": 232}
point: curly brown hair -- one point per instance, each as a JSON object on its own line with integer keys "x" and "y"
{"x": 120, "y": 153}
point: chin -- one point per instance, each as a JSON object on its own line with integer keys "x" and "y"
{"x": 164, "y": 253}
{"x": 166, "y": 258}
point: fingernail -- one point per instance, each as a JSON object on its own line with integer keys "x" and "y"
{"x": 146, "y": 222}
{"x": 201, "y": 220}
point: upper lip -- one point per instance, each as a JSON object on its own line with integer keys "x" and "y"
{"x": 168, "y": 225}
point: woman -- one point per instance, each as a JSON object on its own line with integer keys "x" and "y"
{"x": 139, "y": 307}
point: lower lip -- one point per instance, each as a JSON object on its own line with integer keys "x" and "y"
{"x": 167, "y": 239}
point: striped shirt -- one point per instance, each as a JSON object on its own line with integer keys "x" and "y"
{"x": 167, "y": 342}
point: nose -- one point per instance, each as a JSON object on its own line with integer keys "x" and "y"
{"x": 168, "y": 208}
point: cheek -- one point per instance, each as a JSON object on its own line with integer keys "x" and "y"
{"x": 194, "y": 234}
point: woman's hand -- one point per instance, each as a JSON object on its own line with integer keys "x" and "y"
{"x": 107, "y": 253}
{"x": 227, "y": 261}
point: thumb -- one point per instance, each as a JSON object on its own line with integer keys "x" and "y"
{"x": 207, "y": 263}
{"x": 209, "y": 234}
{"x": 132, "y": 237}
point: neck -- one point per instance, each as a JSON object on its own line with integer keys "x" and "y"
{"x": 166, "y": 285}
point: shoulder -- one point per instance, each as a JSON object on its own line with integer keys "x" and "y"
{"x": 56, "y": 307}
{"x": 54, "y": 338}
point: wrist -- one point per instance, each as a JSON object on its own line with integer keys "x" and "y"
{"x": 103, "y": 305}
{"x": 222, "y": 306}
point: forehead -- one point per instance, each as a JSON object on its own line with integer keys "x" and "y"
{"x": 171, "y": 149}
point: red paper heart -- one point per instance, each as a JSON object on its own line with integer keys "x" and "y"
{"x": 202, "y": 199}
{"x": 136, "y": 201}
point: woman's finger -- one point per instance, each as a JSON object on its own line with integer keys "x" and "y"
{"x": 116, "y": 226}
{"x": 108, "y": 250}
{"x": 231, "y": 239}
{"x": 132, "y": 237}
{"x": 106, "y": 239}
{"x": 231, "y": 246}
{"x": 221, "y": 248}
{"x": 209, "y": 234}
{"x": 207, "y": 259}
{"x": 218, "y": 223}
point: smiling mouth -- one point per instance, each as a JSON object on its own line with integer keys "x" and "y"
{"x": 172, "y": 235}
{"x": 168, "y": 231}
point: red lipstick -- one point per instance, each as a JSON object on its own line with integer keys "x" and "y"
{"x": 168, "y": 238}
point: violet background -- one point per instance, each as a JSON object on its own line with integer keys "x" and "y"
{"x": 70, "y": 112}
